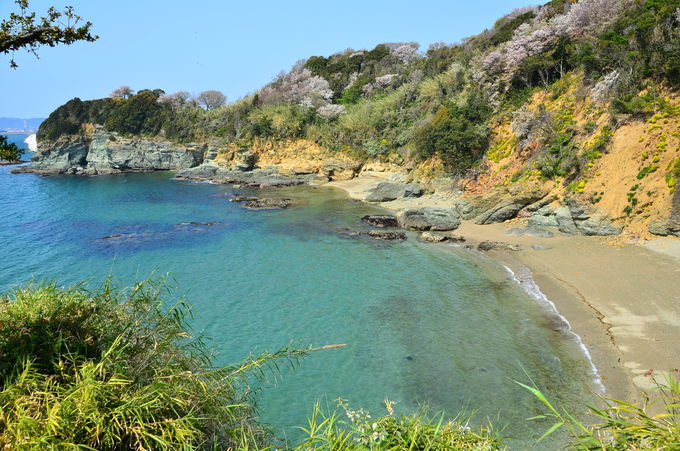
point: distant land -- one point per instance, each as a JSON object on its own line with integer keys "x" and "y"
{"x": 15, "y": 125}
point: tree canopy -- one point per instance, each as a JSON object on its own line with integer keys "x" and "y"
{"x": 24, "y": 30}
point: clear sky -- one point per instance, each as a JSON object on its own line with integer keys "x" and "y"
{"x": 234, "y": 47}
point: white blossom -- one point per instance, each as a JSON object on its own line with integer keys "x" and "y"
{"x": 330, "y": 111}
{"x": 604, "y": 89}
{"x": 406, "y": 53}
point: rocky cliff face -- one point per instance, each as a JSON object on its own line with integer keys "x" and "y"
{"x": 102, "y": 152}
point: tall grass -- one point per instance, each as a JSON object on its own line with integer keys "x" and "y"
{"x": 118, "y": 369}
{"x": 345, "y": 429}
{"x": 620, "y": 425}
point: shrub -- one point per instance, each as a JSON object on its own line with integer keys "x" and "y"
{"x": 9, "y": 151}
{"x": 457, "y": 135}
{"x": 116, "y": 369}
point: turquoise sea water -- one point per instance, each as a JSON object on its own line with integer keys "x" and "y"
{"x": 423, "y": 324}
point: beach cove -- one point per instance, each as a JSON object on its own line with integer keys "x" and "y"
{"x": 620, "y": 298}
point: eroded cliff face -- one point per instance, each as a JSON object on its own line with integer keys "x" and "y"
{"x": 100, "y": 152}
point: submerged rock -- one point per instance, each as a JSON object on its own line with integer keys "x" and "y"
{"x": 386, "y": 191}
{"x": 237, "y": 198}
{"x": 267, "y": 203}
{"x": 426, "y": 218}
{"x": 497, "y": 245}
{"x": 381, "y": 220}
{"x": 198, "y": 224}
{"x": 386, "y": 235}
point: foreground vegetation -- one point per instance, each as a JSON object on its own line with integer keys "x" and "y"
{"x": 119, "y": 369}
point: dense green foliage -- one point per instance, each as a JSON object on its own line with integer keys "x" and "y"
{"x": 116, "y": 369}
{"x": 8, "y": 151}
{"x": 391, "y": 101}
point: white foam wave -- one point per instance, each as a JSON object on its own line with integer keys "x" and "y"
{"x": 526, "y": 281}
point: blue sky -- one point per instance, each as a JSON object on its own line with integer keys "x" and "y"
{"x": 235, "y": 47}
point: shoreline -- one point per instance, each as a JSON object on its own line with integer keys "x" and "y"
{"x": 622, "y": 302}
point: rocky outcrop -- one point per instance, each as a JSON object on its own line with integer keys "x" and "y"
{"x": 426, "y": 218}
{"x": 102, "y": 152}
{"x": 671, "y": 226}
{"x": 257, "y": 178}
{"x": 498, "y": 205}
{"x": 386, "y": 191}
{"x": 577, "y": 219}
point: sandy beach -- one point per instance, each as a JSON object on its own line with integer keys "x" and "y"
{"x": 623, "y": 300}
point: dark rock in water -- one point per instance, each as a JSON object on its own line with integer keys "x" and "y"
{"x": 267, "y": 203}
{"x": 386, "y": 236}
{"x": 385, "y": 192}
{"x": 557, "y": 323}
{"x": 382, "y": 235}
{"x": 409, "y": 357}
{"x": 242, "y": 199}
{"x": 497, "y": 245}
{"x": 432, "y": 237}
{"x": 426, "y": 218}
{"x": 199, "y": 224}
{"x": 111, "y": 237}
{"x": 381, "y": 220}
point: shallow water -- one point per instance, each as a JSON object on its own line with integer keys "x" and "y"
{"x": 423, "y": 324}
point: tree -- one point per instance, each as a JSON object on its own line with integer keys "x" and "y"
{"x": 9, "y": 151}
{"x": 24, "y": 30}
{"x": 123, "y": 92}
{"x": 175, "y": 100}
{"x": 211, "y": 99}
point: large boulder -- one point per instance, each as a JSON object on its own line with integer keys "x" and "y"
{"x": 434, "y": 237}
{"x": 429, "y": 219}
{"x": 507, "y": 207}
{"x": 565, "y": 222}
{"x": 497, "y": 205}
{"x": 386, "y": 191}
{"x": 597, "y": 225}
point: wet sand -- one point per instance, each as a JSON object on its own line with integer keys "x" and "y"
{"x": 623, "y": 301}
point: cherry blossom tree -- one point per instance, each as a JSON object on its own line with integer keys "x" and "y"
{"x": 122, "y": 92}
